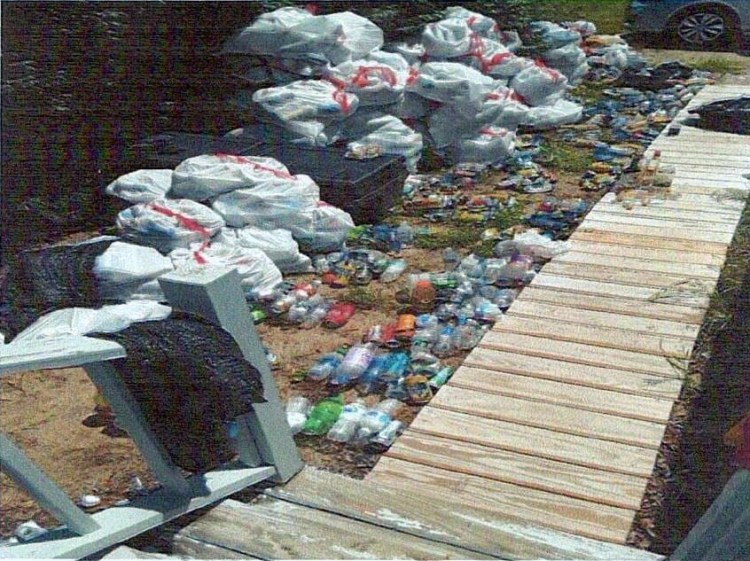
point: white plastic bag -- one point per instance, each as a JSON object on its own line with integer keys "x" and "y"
{"x": 447, "y": 38}
{"x": 141, "y": 186}
{"x": 306, "y": 100}
{"x": 478, "y": 23}
{"x": 390, "y": 134}
{"x": 450, "y": 82}
{"x": 373, "y": 82}
{"x": 166, "y": 224}
{"x": 258, "y": 275}
{"x": 563, "y": 112}
{"x": 278, "y": 244}
{"x": 565, "y": 56}
{"x": 414, "y": 54}
{"x": 84, "y": 321}
{"x": 328, "y": 231}
{"x": 269, "y": 207}
{"x": 268, "y": 32}
{"x": 492, "y": 145}
{"x": 204, "y": 177}
{"x": 554, "y": 35}
{"x": 534, "y": 244}
{"x": 125, "y": 263}
{"x": 585, "y": 28}
{"x": 539, "y": 85}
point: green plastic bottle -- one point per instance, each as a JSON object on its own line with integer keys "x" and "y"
{"x": 323, "y": 415}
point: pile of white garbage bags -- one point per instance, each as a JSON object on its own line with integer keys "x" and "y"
{"x": 462, "y": 80}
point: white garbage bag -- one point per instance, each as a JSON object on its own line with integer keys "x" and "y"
{"x": 502, "y": 107}
{"x": 511, "y": 40}
{"x": 278, "y": 244}
{"x": 206, "y": 176}
{"x": 329, "y": 227}
{"x": 501, "y": 64}
{"x": 414, "y": 54}
{"x": 166, "y": 224}
{"x": 141, "y": 186}
{"x": 563, "y": 112}
{"x": 480, "y": 24}
{"x": 387, "y": 132}
{"x": 306, "y": 100}
{"x": 258, "y": 275}
{"x": 373, "y": 82}
{"x": 268, "y": 33}
{"x": 85, "y": 321}
{"x": 447, "y": 38}
{"x": 534, "y": 244}
{"x": 553, "y": 35}
{"x": 539, "y": 85}
{"x": 565, "y": 56}
{"x": 492, "y": 145}
{"x": 411, "y": 106}
{"x": 270, "y": 206}
{"x": 125, "y": 270}
{"x": 450, "y": 82}
{"x": 585, "y": 28}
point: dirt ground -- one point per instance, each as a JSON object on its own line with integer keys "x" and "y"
{"x": 50, "y": 414}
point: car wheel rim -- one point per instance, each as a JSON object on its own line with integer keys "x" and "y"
{"x": 701, "y": 28}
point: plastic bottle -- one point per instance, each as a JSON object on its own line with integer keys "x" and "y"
{"x": 343, "y": 430}
{"x": 324, "y": 367}
{"x": 323, "y": 415}
{"x": 377, "y": 418}
{"x": 395, "y": 367}
{"x": 387, "y": 436}
{"x": 315, "y": 316}
{"x": 297, "y": 409}
{"x": 394, "y": 270}
{"x": 443, "y": 347}
{"x": 451, "y": 258}
{"x": 441, "y": 377}
{"x": 405, "y": 233}
{"x": 371, "y": 379}
{"x": 354, "y": 364}
{"x": 423, "y": 297}
{"x": 418, "y": 389}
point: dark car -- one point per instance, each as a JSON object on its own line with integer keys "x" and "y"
{"x": 692, "y": 24}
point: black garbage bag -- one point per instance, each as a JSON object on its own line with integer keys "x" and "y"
{"x": 654, "y": 78}
{"x": 725, "y": 115}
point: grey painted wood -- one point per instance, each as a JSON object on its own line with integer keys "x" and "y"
{"x": 441, "y": 520}
{"x": 43, "y": 490}
{"x": 723, "y": 532}
{"x": 129, "y": 415}
{"x": 216, "y": 294}
{"x": 56, "y": 353}
{"x": 120, "y": 523}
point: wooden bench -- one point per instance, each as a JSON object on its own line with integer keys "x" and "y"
{"x": 265, "y": 447}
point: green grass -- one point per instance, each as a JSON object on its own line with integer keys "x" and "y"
{"x": 450, "y": 235}
{"x": 561, "y": 156}
{"x": 608, "y": 15}
{"x": 718, "y": 65}
{"x": 590, "y": 91}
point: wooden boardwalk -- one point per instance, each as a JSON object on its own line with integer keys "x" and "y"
{"x": 558, "y": 414}
{"x": 542, "y": 443}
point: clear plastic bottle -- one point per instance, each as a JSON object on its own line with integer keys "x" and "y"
{"x": 377, "y": 418}
{"x": 324, "y": 367}
{"x": 405, "y": 233}
{"x": 396, "y": 365}
{"x": 441, "y": 377}
{"x": 297, "y": 409}
{"x": 387, "y": 436}
{"x": 451, "y": 258}
{"x": 393, "y": 271}
{"x": 343, "y": 430}
{"x": 354, "y": 364}
{"x": 373, "y": 376}
{"x": 443, "y": 347}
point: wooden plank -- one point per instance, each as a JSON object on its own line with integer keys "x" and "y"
{"x": 647, "y": 254}
{"x": 709, "y": 178}
{"x": 532, "y": 309}
{"x": 538, "y": 507}
{"x": 432, "y": 517}
{"x": 624, "y": 306}
{"x": 120, "y": 523}
{"x": 623, "y": 381}
{"x": 582, "y": 354}
{"x": 125, "y": 552}
{"x": 628, "y": 277}
{"x": 270, "y": 528}
{"x": 598, "y": 288}
{"x": 668, "y": 231}
{"x": 709, "y": 187}
{"x": 683, "y": 150}
{"x": 678, "y": 268}
{"x": 544, "y": 443}
{"x": 611, "y": 210}
{"x": 567, "y": 395}
{"x": 194, "y": 549}
{"x": 63, "y": 352}
{"x": 661, "y": 223}
{"x": 623, "y": 491}
{"x": 605, "y": 337}
{"x": 709, "y": 159}
{"x": 553, "y": 417}
{"x": 649, "y": 242}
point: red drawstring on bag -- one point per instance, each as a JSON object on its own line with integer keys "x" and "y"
{"x": 256, "y": 165}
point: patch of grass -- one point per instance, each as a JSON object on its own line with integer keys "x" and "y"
{"x": 449, "y": 235}
{"x": 718, "y": 65}
{"x": 590, "y": 91}
{"x": 607, "y": 15}
{"x": 367, "y": 298}
{"x": 564, "y": 157}
{"x": 486, "y": 248}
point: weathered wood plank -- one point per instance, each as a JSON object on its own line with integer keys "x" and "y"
{"x": 665, "y": 295}
{"x": 693, "y": 202}
{"x": 709, "y": 178}
{"x": 553, "y": 417}
{"x": 662, "y": 222}
{"x": 623, "y": 276}
{"x": 688, "y": 145}
{"x": 194, "y": 549}
{"x": 622, "y": 491}
{"x": 555, "y": 511}
{"x": 559, "y": 393}
{"x": 677, "y": 268}
{"x": 572, "y": 314}
{"x": 63, "y": 352}
{"x": 623, "y": 381}
{"x": 650, "y": 212}
{"x": 668, "y": 231}
{"x": 125, "y": 552}
{"x": 432, "y": 517}
{"x": 582, "y": 354}
{"x": 649, "y": 242}
{"x": 606, "y": 337}
{"x": 618, "y": 305}
{"x": 647, "y": 254}
{"x": 274, "y": 529}
{"x": 724, "y": 186}
{"x": 534, "y": 441}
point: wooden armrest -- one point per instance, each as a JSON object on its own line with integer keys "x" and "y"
{"x": 64, "y": 352}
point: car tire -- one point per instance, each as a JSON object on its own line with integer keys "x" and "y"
{"x": 705, "y": 28}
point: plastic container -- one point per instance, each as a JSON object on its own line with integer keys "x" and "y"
{"x": 451, "y": 258}
{"x": 386, "y": 437}
{"x": 323, "y": 415}
{"x": 297, "y": 409}
{"x": 393, "y": 271}
{"x": 373, "y": 376}
{"x": 423, "y": 297}
{"x": 354, "y": 364}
